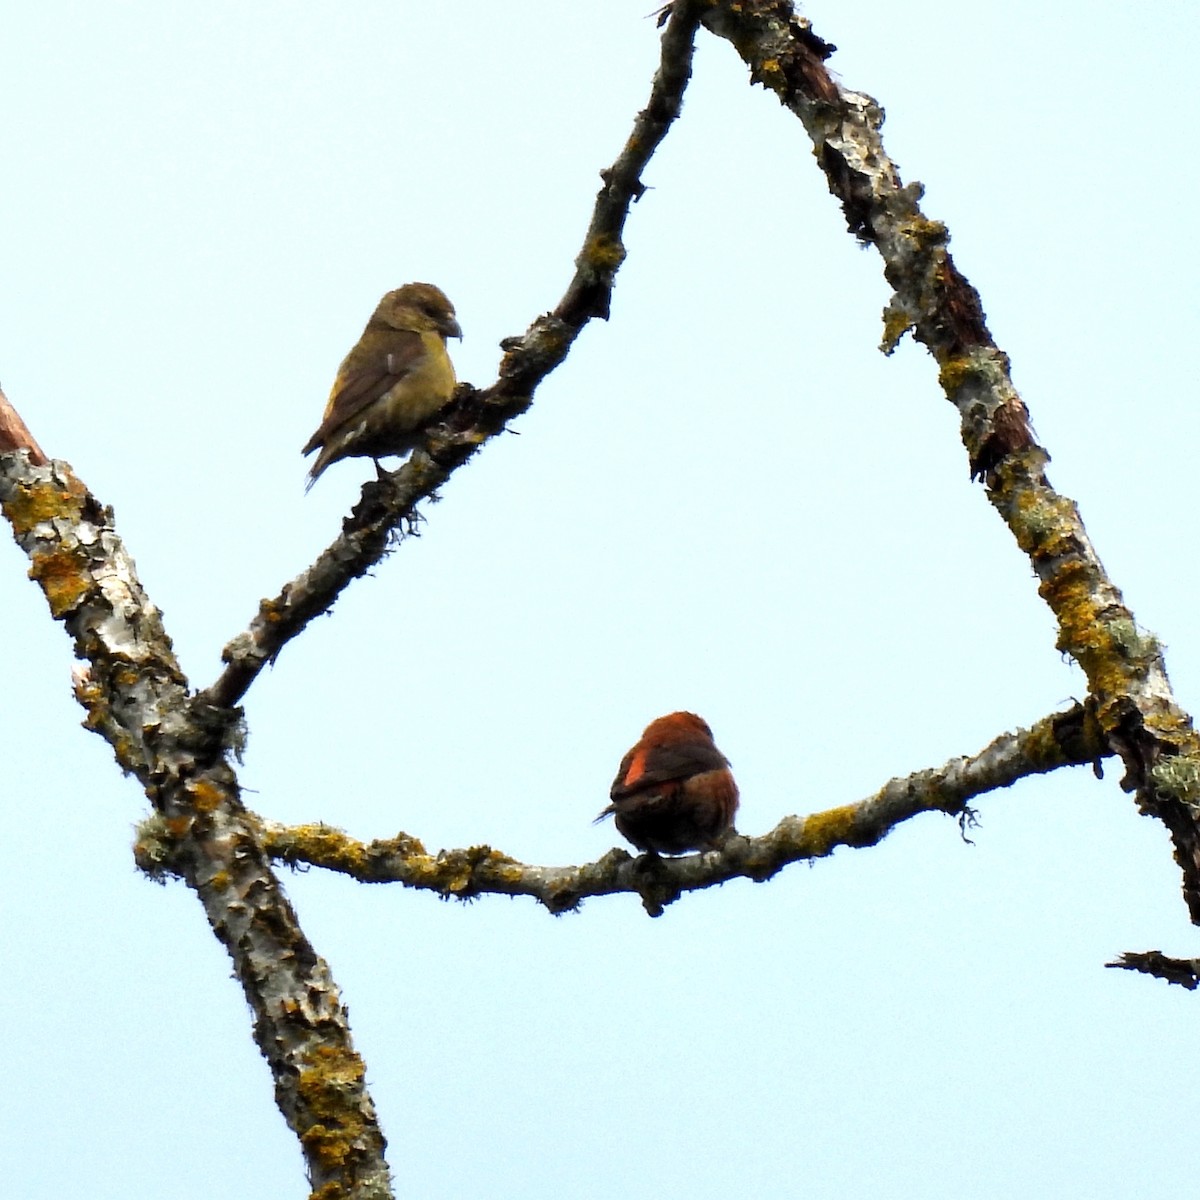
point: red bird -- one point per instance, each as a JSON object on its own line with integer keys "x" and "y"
{"x": 674, "y": 791}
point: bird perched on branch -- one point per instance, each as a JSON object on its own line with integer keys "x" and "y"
{"x": 394, "y": 380}
{"x": 674, "y": 791}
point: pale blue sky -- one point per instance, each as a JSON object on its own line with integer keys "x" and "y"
{"x": 726, "y": 500}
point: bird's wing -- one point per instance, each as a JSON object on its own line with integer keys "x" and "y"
{"x": 645, "y": 766}
{"x": 357, "y": 389}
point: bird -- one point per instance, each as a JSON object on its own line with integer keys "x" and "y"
{"x": 394, "y": 380}
{"x": 674, "y": 791}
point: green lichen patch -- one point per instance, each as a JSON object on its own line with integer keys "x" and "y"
{"x": 1132, "y": 642}
{"x": 1177, "y": 777}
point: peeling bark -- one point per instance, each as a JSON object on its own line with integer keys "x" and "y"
{"x": 179, "y": 748}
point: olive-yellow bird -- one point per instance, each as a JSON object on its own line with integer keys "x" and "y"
{"x": 394, "y": 380}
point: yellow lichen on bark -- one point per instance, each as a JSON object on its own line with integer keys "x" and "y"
{"x": 825, "y": 830}
{"x": 332, "y": 845}
{"x": 603, "y": 253}
{"x": 330, "y": 1075}
{"x": 31, "y": 504}
{"x": 1082, "y": 633}
{"x": 63, "y": 578}
{"x": 205, "y": 796}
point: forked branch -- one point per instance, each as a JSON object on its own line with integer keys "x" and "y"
{"x": 1126, "y": 674}
{"x": 478, "y": 416}
{"x": 1061, "y": 739}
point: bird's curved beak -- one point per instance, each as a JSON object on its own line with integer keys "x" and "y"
{"x": 451, "y": 328}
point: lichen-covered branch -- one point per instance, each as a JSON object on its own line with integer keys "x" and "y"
{"x": 1063, "y": 739}
{"x": 1124, "y": 665}
{"x": 136, "y": 697}
{"x": 477, "y": 416}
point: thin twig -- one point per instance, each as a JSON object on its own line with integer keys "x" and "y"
{"x": 1183, "y": 971}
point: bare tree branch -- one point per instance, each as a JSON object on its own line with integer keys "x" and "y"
{"x": 179, "y": 746}
{"x": 136, "y": 697}
{"x": 478, "y": 416}
{"x": 1061, "y": 739}
{"x": 1124, "y": 665}
{"x": 1183, "y": 971}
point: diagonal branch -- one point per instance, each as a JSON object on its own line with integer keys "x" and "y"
{"x": 1062, "y": 739}
{"x": 478, "y": 416}
{"x": 1126, "y": 674}
{"x": 179, "y": 746}
{"x": 136, "y": 697}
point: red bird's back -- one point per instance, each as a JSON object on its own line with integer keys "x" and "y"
{"x": 674, "y": 791}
